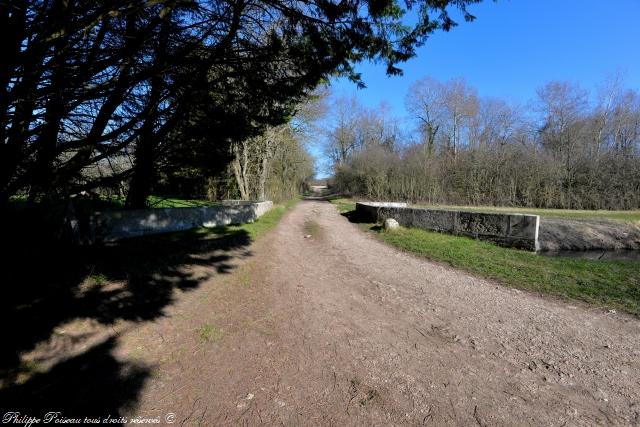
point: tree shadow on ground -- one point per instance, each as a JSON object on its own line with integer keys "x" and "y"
{"x": 93, "y": 384}
{"x": 47, "y": 285}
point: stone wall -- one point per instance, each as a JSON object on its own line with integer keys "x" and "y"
{"x": 511, "y": 230}
{"x": 109, "y": 226}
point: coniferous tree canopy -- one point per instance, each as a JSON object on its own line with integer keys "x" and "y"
{"x": 96, "y": 93}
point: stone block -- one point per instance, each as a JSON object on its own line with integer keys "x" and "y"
{"x": 108, "y": 226}
{"x": 511, "y": 230}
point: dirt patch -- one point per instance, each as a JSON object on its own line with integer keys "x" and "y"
{"x": 312, "y": 229}
{"x": 560, "y": 234}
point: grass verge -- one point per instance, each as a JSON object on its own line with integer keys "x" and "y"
{"x": 234, "y": 236}
{"x": 611, "y": 284}
{"x": 344, "y": 205}
{"x": 266, "y": 222}
{"x": 259, "y": 227}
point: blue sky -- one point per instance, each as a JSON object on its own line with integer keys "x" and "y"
{"x": 515, "y": 46}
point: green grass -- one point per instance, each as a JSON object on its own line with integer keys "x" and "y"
{"x": 252, "y": 231}
{"x": 610, "y": 284}
{"x": 255, "y": 229}
{"x": 117, "y": 202}
{"x": 209, "y": 333}
{"x": 161, "y": 202}
{"x": 266, "y": 222}
{"x": 629, "y": 216}
{"x": 94, "y": 280}
{"x": 344, "y": 205}
{"x": 613, "y": 284}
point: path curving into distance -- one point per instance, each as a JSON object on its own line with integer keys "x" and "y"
{"x": 341, "y": 329}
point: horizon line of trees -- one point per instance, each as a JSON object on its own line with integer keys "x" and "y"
{"x": 562, "y": 150}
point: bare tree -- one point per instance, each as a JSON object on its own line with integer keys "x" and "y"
{"x": 562, "y": 106}
{"x": 342, "y": 138}
{"x": 425, "y": 102}
{"x": 461, "y": 104}
{"x": 443, "y": 108}
{"x": 495, "y": 123}
{"x": 563, "y": 153}
{"x": 626, "y": 123}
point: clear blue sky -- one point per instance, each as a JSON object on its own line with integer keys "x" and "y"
{"x": 511, "y": 49}
{"x": 515, "y": 46}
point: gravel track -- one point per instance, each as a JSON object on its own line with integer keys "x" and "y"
{"x": 341, "y": 329}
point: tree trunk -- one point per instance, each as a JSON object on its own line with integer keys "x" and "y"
{"x": 143, "y": 169}
{"x": 240, "y": 164}
{"x": 140, "y": 186}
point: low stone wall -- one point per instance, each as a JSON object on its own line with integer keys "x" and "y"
{"x": 511, "y": 230}
{"x": 110, "y": 226}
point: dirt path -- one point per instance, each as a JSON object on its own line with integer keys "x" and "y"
{"x": 340, "y": 329}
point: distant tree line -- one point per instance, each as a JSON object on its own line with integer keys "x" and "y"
{"x": 564, "y": 150}
{"x": 120, "y": 95}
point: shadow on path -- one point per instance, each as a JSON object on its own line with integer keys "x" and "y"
{"x": 47, "y": 285}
